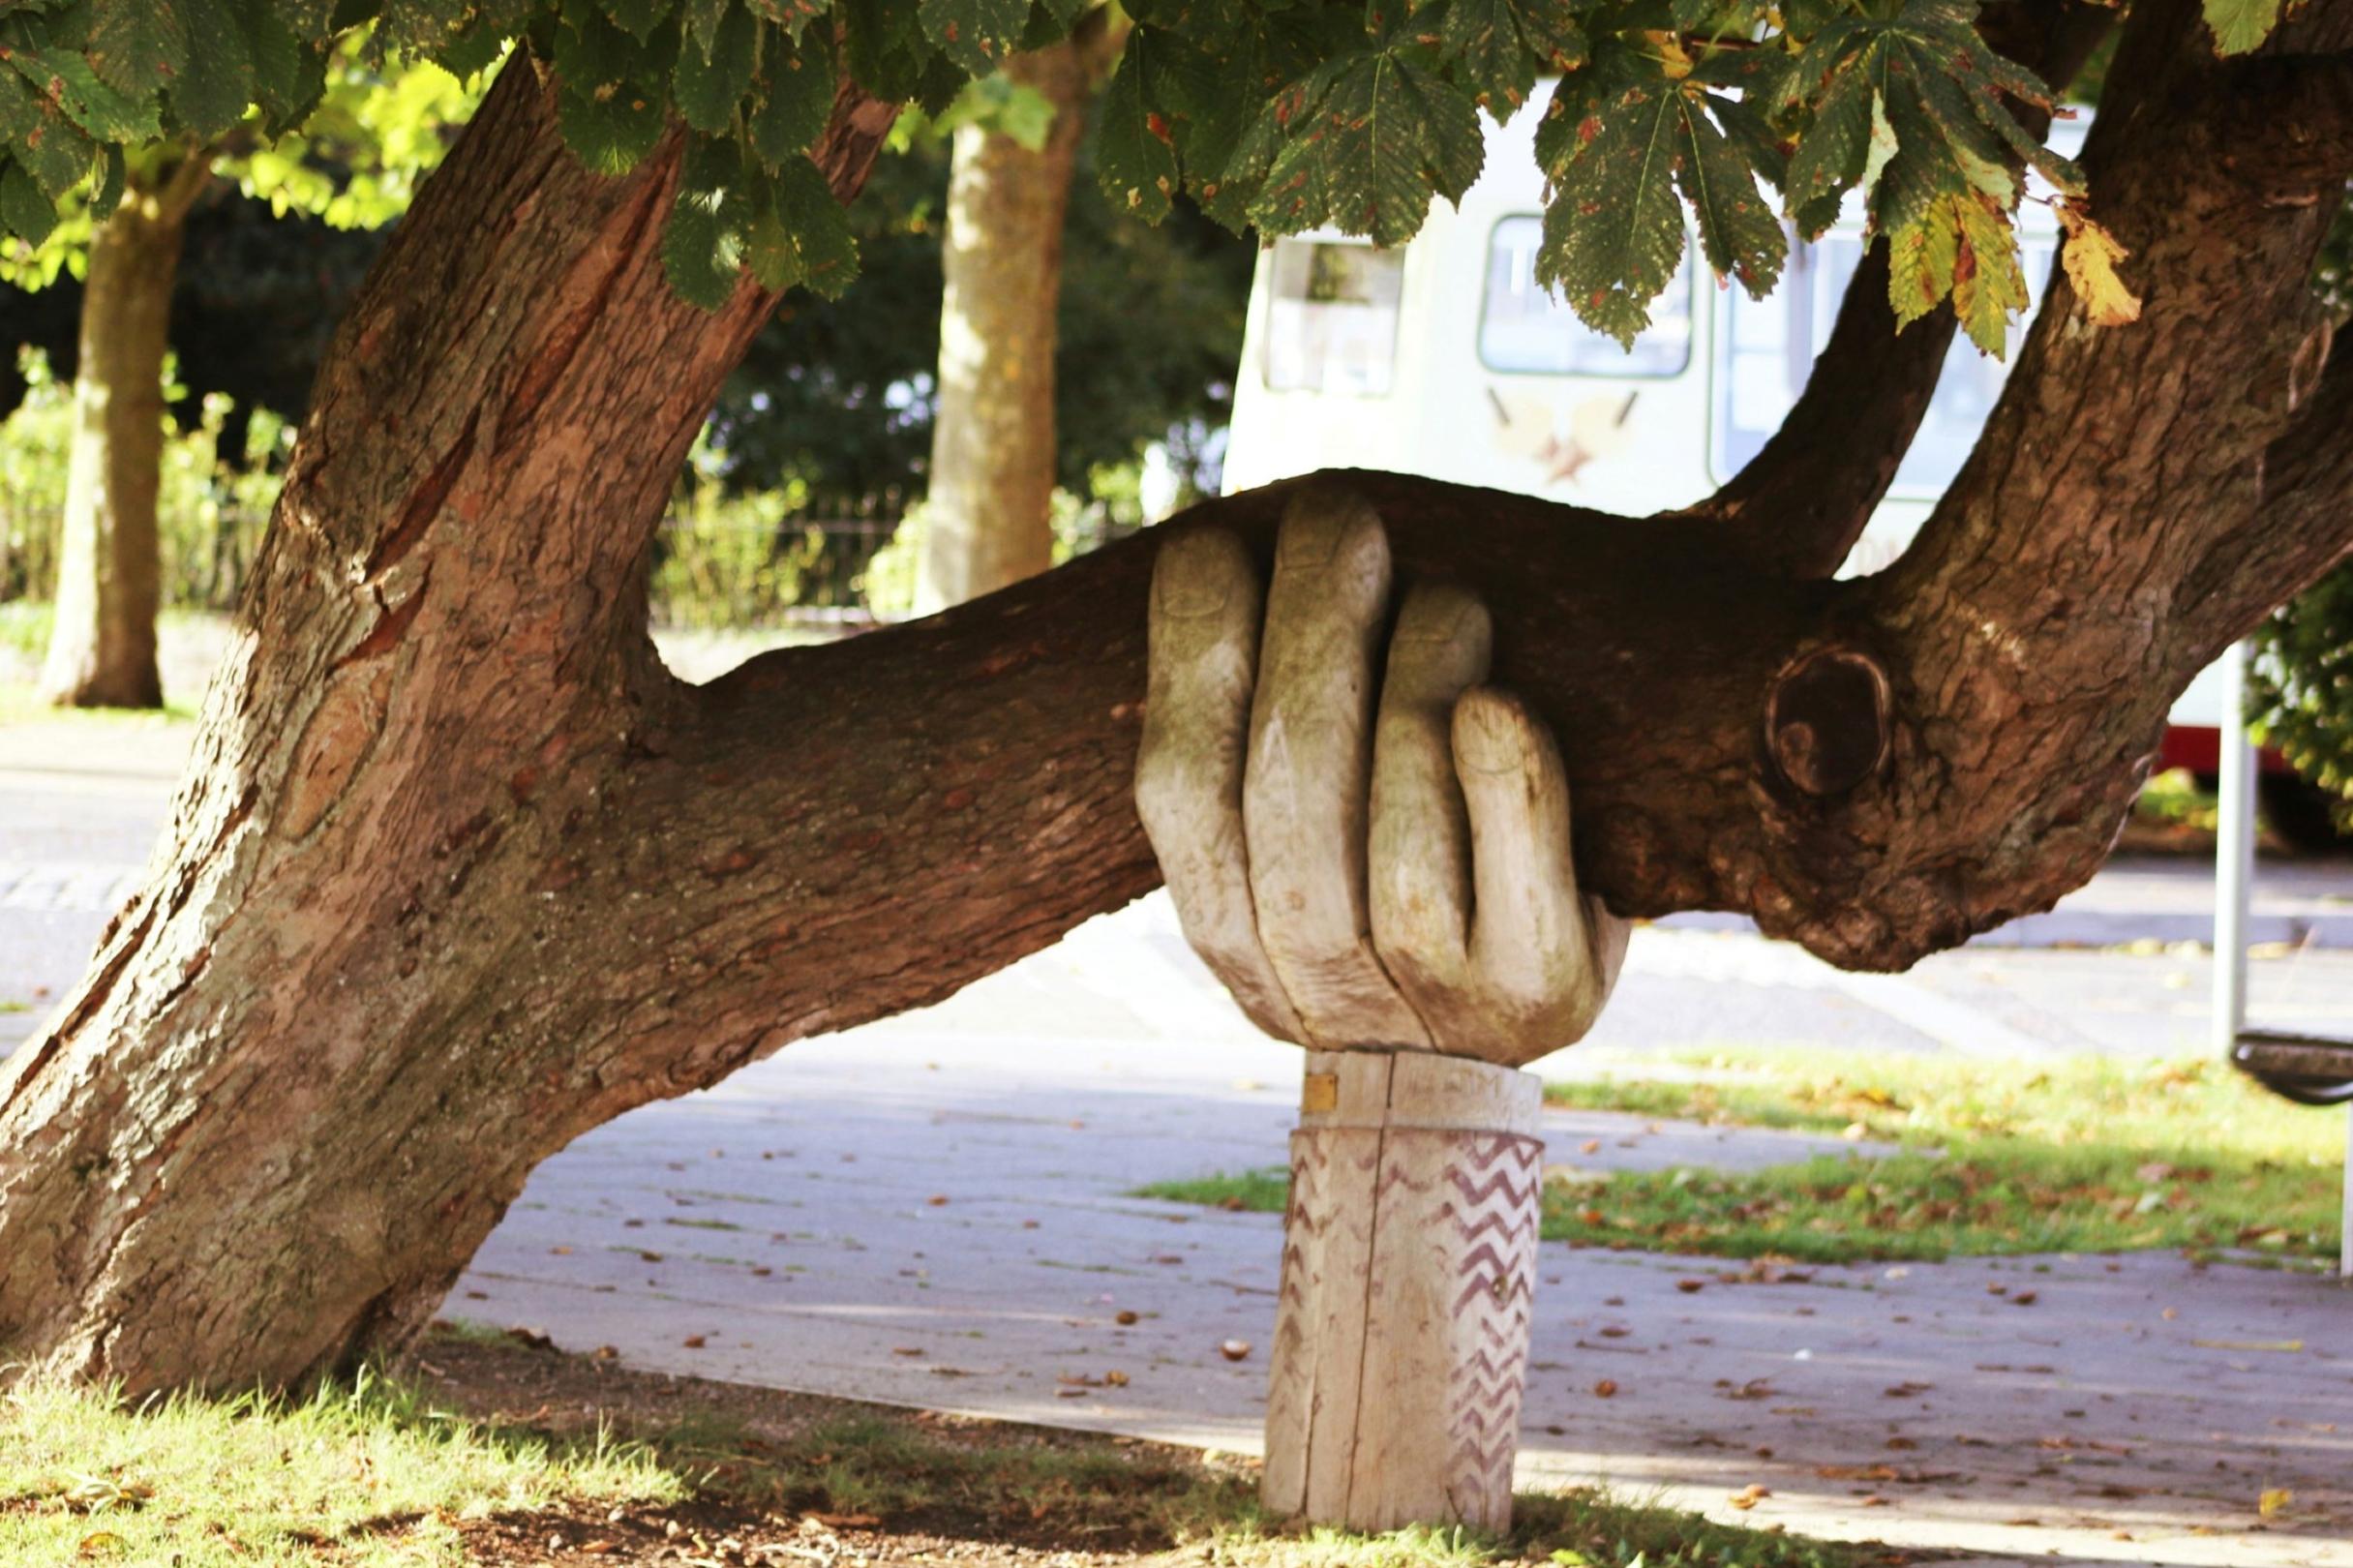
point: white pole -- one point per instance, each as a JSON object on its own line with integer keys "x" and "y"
{"x": 2234, "y": 856}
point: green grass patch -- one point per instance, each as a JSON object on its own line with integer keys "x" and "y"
{"x": 632, "y": 1466}
{"x": 2079, "y": 1156}
{"x": 2175, "y": 799}
{"x": 364, "y": 1473}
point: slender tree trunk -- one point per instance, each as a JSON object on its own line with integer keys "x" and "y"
{"x": 109, "y": 570}
{"x": 459, "y": 872}
{"x": 987, "y": 518}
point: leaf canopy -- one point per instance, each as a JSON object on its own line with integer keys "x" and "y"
{"x": 1724, "y": 120}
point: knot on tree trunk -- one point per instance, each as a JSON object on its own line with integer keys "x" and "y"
{"x": 1826, "y": 721}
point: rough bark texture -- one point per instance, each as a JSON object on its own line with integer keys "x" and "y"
{"x": 300, "y": 1082}
{"x": 110, "y": 569}
{"x": 461, "y": 872}
{"x": 987, "y": 518}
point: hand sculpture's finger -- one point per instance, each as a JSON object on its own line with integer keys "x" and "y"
{"x": 1545, "y": 956}
{"x": 1303, "y": 799}
{"x": 1204, "y": 652}
{"x": 1420, "y": 877}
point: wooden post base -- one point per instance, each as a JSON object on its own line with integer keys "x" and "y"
{"x": 1408, "y": 1273}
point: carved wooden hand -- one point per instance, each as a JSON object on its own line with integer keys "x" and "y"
{"x": 1400, "y": 879}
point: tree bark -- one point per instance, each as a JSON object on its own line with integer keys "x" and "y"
{"x": 987, "y": 518}
{"x": 110, "y": 569}
{"x": 461, "y": 873}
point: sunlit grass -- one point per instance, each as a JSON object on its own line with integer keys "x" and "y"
{"x": 2081, "y": 1155}
{"x": 362, "y": 1473}
{"x": 373, "y": 1474}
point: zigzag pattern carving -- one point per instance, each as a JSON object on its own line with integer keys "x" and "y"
{"x": 1496, "y": 1181}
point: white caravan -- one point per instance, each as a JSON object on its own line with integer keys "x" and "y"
{"x": 1448, "y": 360}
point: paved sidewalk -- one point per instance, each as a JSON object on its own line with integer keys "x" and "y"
{"x": 933, "y": 1211}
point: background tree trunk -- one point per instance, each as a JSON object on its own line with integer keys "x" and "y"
{"x": 110, "y": 569}
{"x": 459, "y": 872}
{"x": 987, "y": 519}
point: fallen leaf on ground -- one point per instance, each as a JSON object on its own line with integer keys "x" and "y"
{"x": 1123, "y": 1318}
{"x": 2273, "y": 1500}
{"x": 1606, "y": 1389}
{"x": 1234, "y": 1349}
{"x": 1748, "y": 1496}
{"x": 693, "y": 1342}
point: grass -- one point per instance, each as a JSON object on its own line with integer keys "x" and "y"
{"x": 365, "y": 1473}
{"x": 383, "y": 1471}
{"x": 2079, "y": 1156}
{"x": 2174, "y": 799}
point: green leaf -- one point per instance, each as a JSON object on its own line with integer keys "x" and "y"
{"x": 639, "y": 17}
{"x": 796, "y": 99}
{"x": 613, "y": 133}
{"x": 219, "y": 82}
{"x": 1738, "y": 232}
{"x": 819, "y": 226}
{"x": 1613, "y": 233}
{"x": 1484, "y": 34}
{"x": 711, "y": 84}
{"x": 136, "y": 46}
{"x": 65, "y": 78}
{"x": 1386, "y": 136}
{"x": 1550, "y": 31}
{"x": 977, "y": 35}
{"x": 50, "y": 147}
{"x": 1135, "y": 151}
{"x": 594, "y": 57}
{"x": 26, "y": 213}
{"x": 1829, "y": 157}
{"x": 882, "y": 45}
{"x": 701, "y": 252}
{"x": 290, "y": 74}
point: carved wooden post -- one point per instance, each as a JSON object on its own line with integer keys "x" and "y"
{"x": 1409, "y": 1271}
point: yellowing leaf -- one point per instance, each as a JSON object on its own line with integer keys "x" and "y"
{"x": 1987, "y": 285}
{"x": 2239, "y": 25}
{"x": 2090, "y": 255}
{"x": 2273, "y": 1500}
{"x": 1919, "y": 264}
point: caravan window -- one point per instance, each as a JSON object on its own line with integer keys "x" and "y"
{"x": 1330, "y": 319}
{"x": 1522, "y": 328}
{"x": 1767, "y": 349}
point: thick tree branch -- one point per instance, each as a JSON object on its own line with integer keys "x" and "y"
{"x": 1798, "y": 507}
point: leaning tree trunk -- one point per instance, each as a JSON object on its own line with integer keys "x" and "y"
{"x": 460, "y": 873}
{"x": 110, "y": 569}
{"x": 987, "y": 515}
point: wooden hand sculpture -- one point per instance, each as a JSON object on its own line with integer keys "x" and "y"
{"x": 1385, "y": 879}
{"x": 1395, "y": 880}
